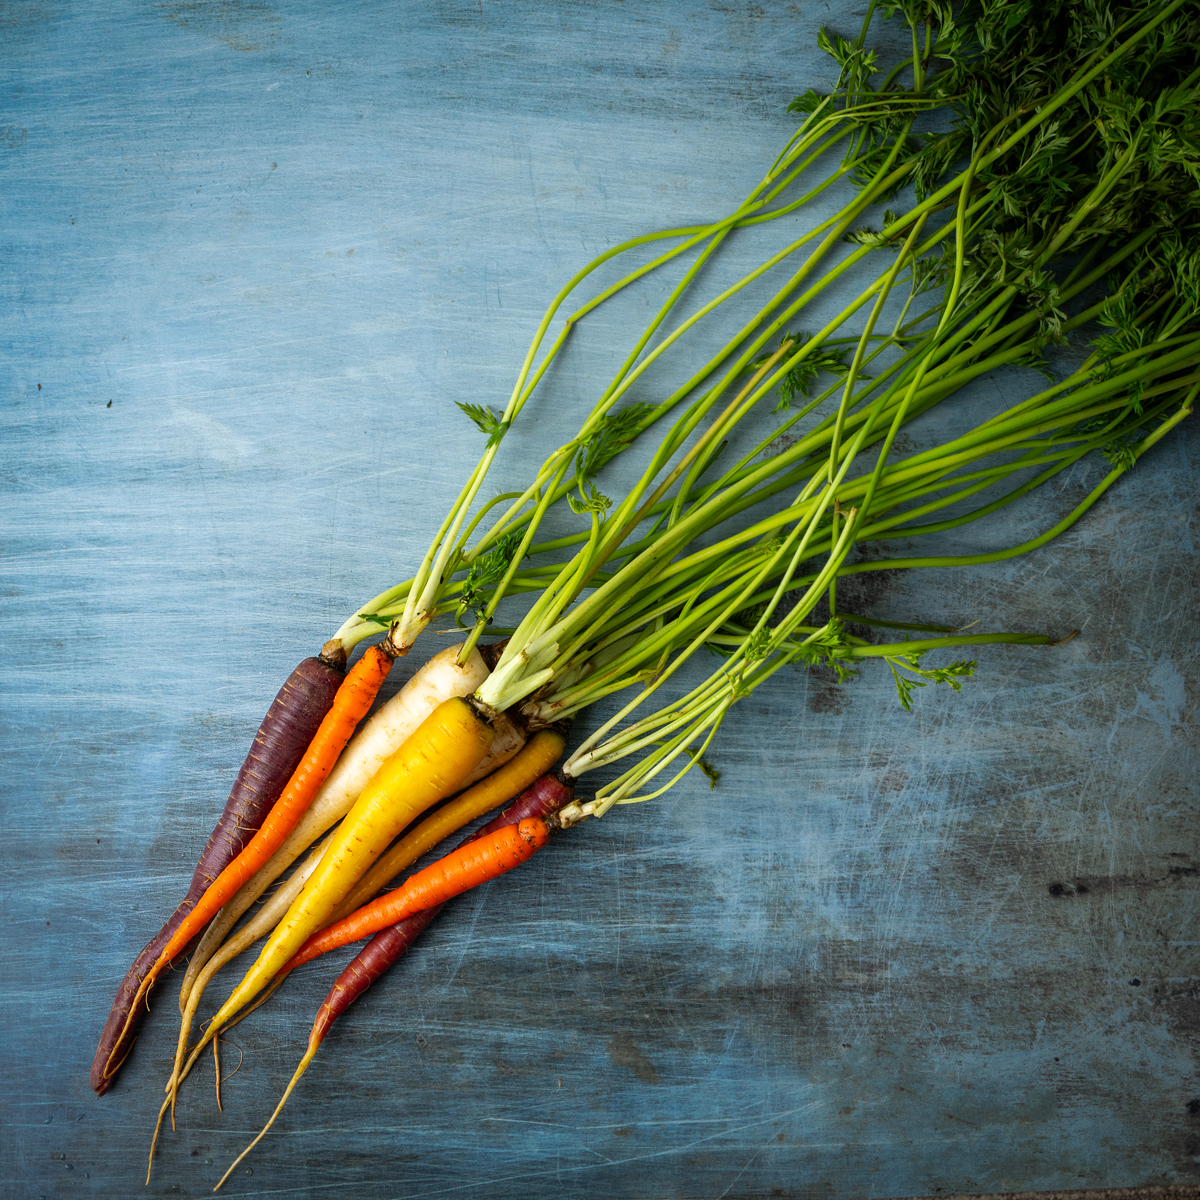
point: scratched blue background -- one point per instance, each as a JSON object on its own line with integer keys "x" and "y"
{"x": 252, "y": 251}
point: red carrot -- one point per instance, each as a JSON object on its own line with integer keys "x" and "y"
{"x": 370, "y": 964}
{"x": 546, "y": 796}
{"x": 291, "y": 721}
{"x": 540, "y": 799}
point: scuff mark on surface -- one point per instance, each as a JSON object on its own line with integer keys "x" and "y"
{"x": 624, "y": 1052}
{"x": 243, "y": 25}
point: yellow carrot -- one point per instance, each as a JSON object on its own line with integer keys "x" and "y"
{"x": 540, "y": 753}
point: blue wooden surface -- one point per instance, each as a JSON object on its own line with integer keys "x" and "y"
{"x": 252, "y": 253}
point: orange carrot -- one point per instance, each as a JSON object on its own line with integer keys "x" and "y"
{"x": 461, "y": 869}
{"x": 350, "y": 705}
{"x": 538, "y": 755}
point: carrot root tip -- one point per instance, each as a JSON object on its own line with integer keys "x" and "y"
{"x": 278, "y": 1109}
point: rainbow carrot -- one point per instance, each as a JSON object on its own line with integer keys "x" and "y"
{"x": 352, "y": 702}
{"x": 538, "y": 755}
{"x": 430, "y": 765}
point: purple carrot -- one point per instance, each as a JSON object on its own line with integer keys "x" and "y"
{"x": 541, "y": 798}
{"x": 290, "y": 724}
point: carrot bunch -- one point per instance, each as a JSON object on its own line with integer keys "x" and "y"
{"x": 665, "y": 570}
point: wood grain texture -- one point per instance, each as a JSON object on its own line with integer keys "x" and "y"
{"x": 252, "y": 253}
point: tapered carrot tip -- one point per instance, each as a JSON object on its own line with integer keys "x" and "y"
{"x": 154, "y": 1140}
{"x": 278, "y": 1109}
